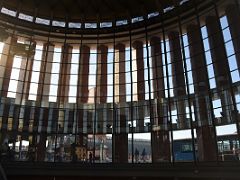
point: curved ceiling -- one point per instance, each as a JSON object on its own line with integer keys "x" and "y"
{"x": 89, "y": 10}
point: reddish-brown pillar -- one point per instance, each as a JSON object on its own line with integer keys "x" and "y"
{"x": 42, "y": 99}
{"x": 64, "y": 75}
{"x": 179, "y": 87}
{"x": 119, "y": 70}
{"x": 4, "y": 60}
{"x": 205, "y": 132}
{"x": 23, "y": 85}
{"x": 45, "y": 74}
{"x": 25, "y": 73}
{"x": 82, "y": 92}
{"x": 41, "y": 145}
{"x": 139, "y": 67}
{"x": 138, "y": 56}
{"x": 101, "y": 86}
{"x": 8, "y": 60}
{"x": 160, "y": 134}
{"x": 3, "y": 131}
{"x": 233, "y": 17}
{"x": 101, "y": 83}
{"x": 63, "y": 84}
{"x": 220, "y": 64}
{"x": 120, "y": 153}
{"x": 5, "y": 73}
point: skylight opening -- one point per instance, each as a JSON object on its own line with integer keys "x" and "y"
{"x": 8, "y": 12}
{"x": 74, "y": 25}
{"x": 154, "y": 14}
{"x": 121, "y": 22}
{"x": 168, "y": 9}
{"x": 105, "y": 24}
{"x": 137, "y": 19}
{"x": 42, "y": 21}
{"x": 183, "y": 1}
{"x": 58, "y": 23}
{"x": 90, "y": 25}
{"x": 25, "y": 17}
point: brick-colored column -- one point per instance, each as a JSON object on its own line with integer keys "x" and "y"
{"x": 23, "y": 85}
{"x": 25, "y": 75}
{"x": 160, "y": 134}
{"x": 138, "y": 56}
{"x": 64, "y": 82}
{"x": 82, "y": 92}
{"x": 139, "y": 67}
{"x": 41, "y": 146}
{"x": 205, "y": 132}
{"x": 7, "y": 62}
{"x": 64, "y": 75}
{"x": 70, "y": 121}
{"x": 233, "y": 17}
{"x": 4, "y": 59}
{"x": 179, "y": 87}
{"x": 119, "y": 70}
{"x": 4, "y": 122}
{"x": 101, "y": 86}
{"x": 42, "y": 99}
{"x": 220, "y": 64}
{"x": 120, "y": 153}
{"x": 101, "y": 83}
{"x": 45, "y": 74}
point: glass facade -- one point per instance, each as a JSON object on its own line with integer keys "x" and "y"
{"x": 166, "y": 92}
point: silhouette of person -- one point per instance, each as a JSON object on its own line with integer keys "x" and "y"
{"x": 90, "y": 157}
{"x": 144, "y": 155}
{"x": 136, "y": 154}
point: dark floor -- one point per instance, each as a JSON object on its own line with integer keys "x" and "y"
{"x": 106, "y": 178}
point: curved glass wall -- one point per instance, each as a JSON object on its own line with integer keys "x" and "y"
{"x": 169, "y": 94}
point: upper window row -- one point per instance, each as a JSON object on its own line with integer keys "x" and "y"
{"x": 77, "y": 25}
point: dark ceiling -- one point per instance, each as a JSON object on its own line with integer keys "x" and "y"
{"x": 88, "y": 10}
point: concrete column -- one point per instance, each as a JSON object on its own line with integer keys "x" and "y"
{"x": 139, "y": 67}
{"x": 120, "y": 138}
{"x": 205, "y": 132}
{"x": 233, "y": 17}
{"x": 45, "y": 74}
{"x": 64, "y": 75}
{"x": 7, "y": 63}
{"x": 220, "y": 64}
{"x": 179, "y": 86}
{"x": 160, "y": 134}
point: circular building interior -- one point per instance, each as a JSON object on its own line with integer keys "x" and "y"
{"x": 141, "y": 88}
